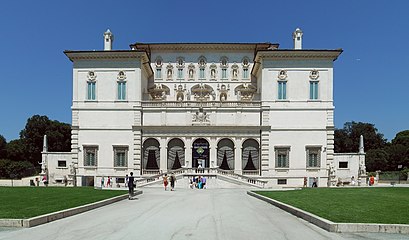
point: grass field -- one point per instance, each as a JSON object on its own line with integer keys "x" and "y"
{"x": 350, "y": 205}
{"x": 26, "y": 202}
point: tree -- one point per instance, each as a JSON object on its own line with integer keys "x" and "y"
{"x": 58, "y": 136}
{"x": 3, "y": 144}
{"x": 376, "y": 159}
{"x": 14, "y": 170}
{"x": 347, "y": 139}
{"x": 16, "y": 150}
{"x": 402, "y": 138}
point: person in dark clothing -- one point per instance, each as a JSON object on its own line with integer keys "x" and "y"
{"x": 131, "y": 186}
{"x": 172, "y": 180}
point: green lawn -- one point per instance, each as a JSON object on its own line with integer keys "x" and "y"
{"x": 26, "y": 202}
{"x": 350, "y": 205}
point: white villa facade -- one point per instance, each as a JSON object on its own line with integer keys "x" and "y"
{"x": 248, "y": 109}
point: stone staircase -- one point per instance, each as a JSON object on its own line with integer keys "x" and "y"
{"x": 212, "y": 174}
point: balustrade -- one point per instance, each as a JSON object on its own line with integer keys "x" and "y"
{"x": 178, "y": 104}
{"x": 201, "y": 171}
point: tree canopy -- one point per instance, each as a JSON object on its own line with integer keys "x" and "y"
{"x": 58, "y": 137}
{"x": 21, "y": 156}
{"x": 347, "y": 138}
{"x": 380, "y": 155}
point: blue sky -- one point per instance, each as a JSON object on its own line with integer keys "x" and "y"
{"x": 371, "y": 80}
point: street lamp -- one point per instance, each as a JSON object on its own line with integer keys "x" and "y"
{"x": 399, "y": 167}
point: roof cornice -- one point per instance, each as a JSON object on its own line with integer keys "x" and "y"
{"x": 111, "y": 55}
{"x": 299, "y": 54}
{"x": 291, "y": 54}
{"x": 202, "y": 46}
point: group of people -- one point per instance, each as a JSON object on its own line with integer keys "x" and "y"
{"x": 197, "y": 182}
{"x": 171, "y": 179}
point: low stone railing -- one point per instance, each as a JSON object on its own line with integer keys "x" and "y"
{"x": 201, "y": 171}
{"x": 239, "y": 177}
{"x": 201, "y": 104}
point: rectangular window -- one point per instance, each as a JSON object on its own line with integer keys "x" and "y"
{"x": 91, "y": 91}
{"x": 313, "y": 157}
{"x": 90, "y": 155}
{"x": 180, "y": 73}
{"x": 245, "y": 73}
{"x": 202, "y": 73}
{"x": 313, "y": 90}
{"x": 281, "y": 181}
{"x": 159, "y": 73}
{"x": 62, "y": 163}
{"x": 224, "y": 73}
{"x": 282, "y": 157}
{"x": 121, "y": 90}
{"x": 282, "y": 90}
{"x": 120, "y": 156}
{"x": 343, "y": 164}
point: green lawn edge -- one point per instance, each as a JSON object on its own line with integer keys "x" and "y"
{"x": 349, "y": 205}
{"x": 28, "y": 202}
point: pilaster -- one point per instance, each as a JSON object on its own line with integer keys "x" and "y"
{"x": 188, "y": 152}
{"x": 238, "y": 163}
{"x": 163, "y": 154}
{"x": 265, "y": 140}
{"x": 213, "y": 152}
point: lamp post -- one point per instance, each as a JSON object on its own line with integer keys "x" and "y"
{"x": 399, "y": 168}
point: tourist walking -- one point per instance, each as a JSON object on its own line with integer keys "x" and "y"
{"x": 102, "y": 182}
{"x": 130, "y": 186}
{"x": 204, "y": 182}
{"x": 126, "y": 180}
{"x": 315, "y": 183}
{"x": 109, "y": 182}
{"x": 165, "y": 181}
{"x": 172, "y": 180}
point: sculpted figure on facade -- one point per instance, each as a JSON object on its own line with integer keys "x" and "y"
{"x": 190, "y": 73}
{"x": 362, "y": 169}
{"x": 213, "y": 73}
{"x": 235, "y": 73}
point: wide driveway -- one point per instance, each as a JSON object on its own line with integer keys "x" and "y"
{"x": 184, "y": 214}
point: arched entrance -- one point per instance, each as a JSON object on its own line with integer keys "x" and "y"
{"x": 250, "y": 157}
{"x": 151, "y": 156}
{"x": 200, "y": 153}
{"x": 176, "y": 154}
{"x": 225, "y": 154}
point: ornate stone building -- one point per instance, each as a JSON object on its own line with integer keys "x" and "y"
{"x": 251, "y": 110}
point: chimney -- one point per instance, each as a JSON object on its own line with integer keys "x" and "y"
{"x": 108, "y": 39}
{"x": 297, "y": 37}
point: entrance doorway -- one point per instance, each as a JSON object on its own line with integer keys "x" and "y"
{"x": 200, "y": 153}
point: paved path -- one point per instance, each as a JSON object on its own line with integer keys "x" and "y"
{"x": 184, "y": 214}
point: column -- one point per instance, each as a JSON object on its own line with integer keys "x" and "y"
{"x": 238, "y": 163}
{"x": 163, "y": 154}
{"x": 188, "y": 152}
{"x": 213, "y": 152}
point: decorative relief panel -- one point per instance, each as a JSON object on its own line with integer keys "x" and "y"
{"x": 200, "y": 118}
